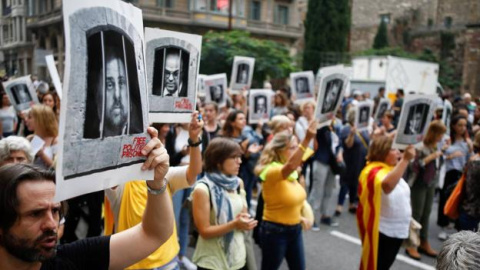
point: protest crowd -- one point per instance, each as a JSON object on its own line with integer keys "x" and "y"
{"x": 225, "y": 181}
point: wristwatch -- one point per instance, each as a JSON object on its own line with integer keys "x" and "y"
{"x": 192, "y": 144}
{"x": 158, "y": 191}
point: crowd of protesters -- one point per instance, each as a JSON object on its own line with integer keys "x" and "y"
{"x": 242, "y": 183}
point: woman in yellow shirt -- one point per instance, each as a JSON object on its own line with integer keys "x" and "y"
{"x": 281, "y": 228}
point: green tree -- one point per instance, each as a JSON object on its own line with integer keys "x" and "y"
{"x": 327, "y": 26}
{"x": 272, "y": 59}
{"x": 381, "y": 38}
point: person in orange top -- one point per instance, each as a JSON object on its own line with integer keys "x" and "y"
{"x": 384, "y": 212}
{"x": 281, "y": 231}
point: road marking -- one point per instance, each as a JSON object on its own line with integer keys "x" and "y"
{"x": 400, "y": 257}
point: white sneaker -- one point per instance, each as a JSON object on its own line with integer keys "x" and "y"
{"x": 187, "y": 264}
{"x": 443, "y": 235}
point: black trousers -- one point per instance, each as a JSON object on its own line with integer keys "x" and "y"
{"x": 388, "y": 248}
{"x": 451, "y": 178}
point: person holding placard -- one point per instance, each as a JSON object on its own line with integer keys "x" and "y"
{"x": 29, "y": 228}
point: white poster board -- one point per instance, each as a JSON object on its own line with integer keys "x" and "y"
{"x": 302, "y": 85}
{"x": 447, "y": 114}
{"x": 201, "y": 85}
{"x": 242, "y": 73}
{"x": 260, "y": 105}
{"x": 104, "y": 112}
{"x": 363, "y": 112}
{"x": 216, "y": 89}
{"x": 21, "y": 92}
{"x": 417, "y": 113}
{"x": 52, "y": 69}
{"x": 332, "y": 86}
{"x": 412, "y": 76}
{"x": 173, "y": 61}
{"x": 383, "y": 106}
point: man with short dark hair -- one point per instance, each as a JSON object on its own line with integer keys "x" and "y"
{"x": 30, "y": 219}
{"x": 397, "y": 106}
{"x": 378, "y": 97}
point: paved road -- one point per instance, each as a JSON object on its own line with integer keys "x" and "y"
{"x": 339, "y": 247}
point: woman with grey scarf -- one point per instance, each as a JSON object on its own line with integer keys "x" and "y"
{"x": 220, "y": 209}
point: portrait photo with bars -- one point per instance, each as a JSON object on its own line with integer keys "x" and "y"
{"x": 170, "y": 74}
{"x": 113, "y": 105}
{"x": 332, "y": 94}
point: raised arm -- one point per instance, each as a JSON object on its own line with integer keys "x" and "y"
{"x": 295, "y": 159}
{"x": 392, "y": 179}
{"x": 195, "y": 166}
{"x": 136, "y": 243}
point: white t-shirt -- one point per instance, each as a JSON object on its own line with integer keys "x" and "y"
{"x": 396, "y": 211}
{"x": 180, "y": 142}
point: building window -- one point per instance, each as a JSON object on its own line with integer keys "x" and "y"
{"x": 281, "y": 16}
{"x": 219, "y": 6}
{"x": 255, "y": 10}
{"x": 447, "y": 22}
{"x": 200, "y": 5}
{"x": 165, "y": 3}
{"x": 31, "y": 7}
{"x": 385, "y": 18}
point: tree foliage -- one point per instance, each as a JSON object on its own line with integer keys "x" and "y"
{"x": 272, "y": 59}
{"x": 327, "y": 26}
{"x": 381, "y": 38}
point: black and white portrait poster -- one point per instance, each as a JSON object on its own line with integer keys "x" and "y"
{"x": 363, "y": 111}
{"x": 259, "y": 101}
{"x": 332, "y": 85}
{"x": 447, "y": 114}
{"x": 52, "y": 69}
{"x": 104, "y": 112}
{"x": 417, "y": 113}
{"x": 242, "y": 73}
{"x": 216, "y": 89}
{"x": 201, "y": 85}
{"x": 21, "y": 93}
{"x": 302, "y": 85}
{"x": 173, "y": 60}
{"x": 383, "y": 106}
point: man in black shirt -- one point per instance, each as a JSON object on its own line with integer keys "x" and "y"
{"x": 30, "y": 220}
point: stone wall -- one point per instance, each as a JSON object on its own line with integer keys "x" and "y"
{"x": 471, "y": 63}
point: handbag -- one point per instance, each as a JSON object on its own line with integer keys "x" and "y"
{"x": 452, "y": 205}
{"x": 413, "y": 239}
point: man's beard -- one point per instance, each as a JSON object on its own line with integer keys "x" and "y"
{"x": 21, "y": 249}
{"x": 116, "y": 121}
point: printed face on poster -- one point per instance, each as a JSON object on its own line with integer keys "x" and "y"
{"x": 447, "y": 114}
{"x": 215, "y": 89}
{"x": 302, "y": 85}
{"x": 104, "y": 114}
{"x": 260, "y": 102}
{"x": 21, "y": 93}
{"x": 242, "y": 73}
{"x": 333, "y": 82}
{"x": 417, "y": 113}
{"x": 383, "y": 106}
{"x": 201, "y": 85}
{"x": 172, "y": 70}
{"x": 363, "y": 111}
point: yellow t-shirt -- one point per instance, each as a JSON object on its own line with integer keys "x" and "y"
{"x": 133, "y": 201}
{"x": 283, "y": 198}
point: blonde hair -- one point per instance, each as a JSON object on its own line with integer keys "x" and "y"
{"x": 45, "y": 120}
{"x": 379, "y": 149}
{"x": 277, "y": 122}
{"x": 306, "y": 103}
{"x": 270, "y": 151}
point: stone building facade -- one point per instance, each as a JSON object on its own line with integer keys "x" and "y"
{"x": 448, "y": 28}
{"x": 278, "y": 20}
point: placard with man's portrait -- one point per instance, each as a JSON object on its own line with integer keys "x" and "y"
{"x": 104, "y": 112}
{"x": 260, "y": 105}
{"x": 21, "y": 93}
{"x": 416, "y": 115}
{"x": 447, "y": 114}
{"x": 363, "y": 111}
{"x": 216, "y": 89}
{"x": 302, "y": 85}
{"x": 384, "y": 106}
{"x": 242, "y": 73}
{"x": 173, "y": 60}
{"x": 332, "y": 86}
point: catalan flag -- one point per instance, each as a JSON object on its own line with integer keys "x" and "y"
{"x": 368, "y": 211}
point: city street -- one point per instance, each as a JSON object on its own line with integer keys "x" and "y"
{"x": 339, "y": 247}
